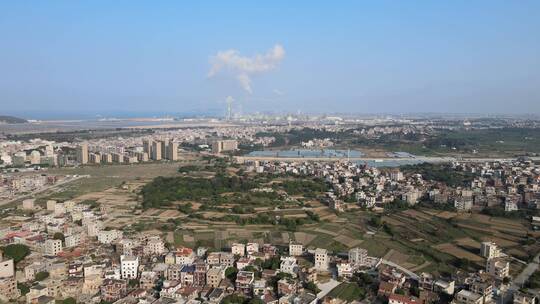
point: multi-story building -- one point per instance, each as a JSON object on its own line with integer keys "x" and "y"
{"x": 199, "y": 276}
{"x": 147, "y": 147}
{"x": 52, "y": 247}
{"x": 173, "y": 272}
{"x": 321, "y": 259}
{"x": 106, "y": 158}
{"x": 82, "y": 154}
{"x": 252, "y": 248}
{"x": 213, "y": 258}
{"x": 108, "y": 236}
{"x": 172, "y": 151}
{"x": 489, "y": 250}
{"x": 148, "y": 280}
{"x": 51, "y": 205}
{"x": 345, "y": 270}
{"x": 214, "y": 276}
{"x": 113, "y": 290}
{"x": 8, "y": 284}
{"x": 296, "y": 249}
{"x": 129, "y": 266}
{"x": 164, "y": 149}
{"x": 220, "y": 258}
{"x": 463, "y": 204}
{"x": 156, "y": 151}
{"x": 482, "y": 287}
{"x": 468, "y": 297}
{"x": 358, "y": 257}
{"x": 93, "y": 227}
{"x": 498, "y": 267}
{"x": 7, "y": 268}
{"x": 289, "y": 265}
{"x": 224, "y": 146}
{"x": 95, "y": 158}
{"x": 154, "y": 246}
{"x": 36, "y": 292}
{"x": 28, "y": 204}
{"x": 238, "y": 249}
{"x": 73, "y": 240}
{"x": 286, "y": 287}
{"x": 31, "y": 270}
{"x": 184, "y": 256}
{"x": 244, "y": 282}
{"x": 521, "y": 297}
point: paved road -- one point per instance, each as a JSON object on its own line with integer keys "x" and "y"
{"x": 61, "y": 183}
{"x": 326, "y": 288}
{"x": 521, "y": 278}
{"x": 403, "y": 269}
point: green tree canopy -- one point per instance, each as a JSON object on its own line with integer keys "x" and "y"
{"x": 42, "y": 275}
{"x": 231, "y": 273}
{"x": 59, "y": 236}
{"x": 17, "y": 252}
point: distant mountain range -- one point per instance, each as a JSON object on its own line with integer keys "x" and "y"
{"x": 11, "y": 119}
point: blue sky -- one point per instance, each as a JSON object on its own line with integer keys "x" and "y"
{"x": 339, "y": 56}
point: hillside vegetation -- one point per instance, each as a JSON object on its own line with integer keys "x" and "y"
{"x": 11, "y": 119}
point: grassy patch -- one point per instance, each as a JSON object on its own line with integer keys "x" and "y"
{"x": 347, "y": 292}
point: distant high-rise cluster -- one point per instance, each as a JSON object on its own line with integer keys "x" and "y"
{"x": 224, "y": 146}
{"x": 158, "y": 150}
{"x": 151, "y": 150}
{"x": 82, "y": 154}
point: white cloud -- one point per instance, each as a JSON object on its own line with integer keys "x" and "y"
{"x": 243, "y": 67}
{"x": 278, "y": 92}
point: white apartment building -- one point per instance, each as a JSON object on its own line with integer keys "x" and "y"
{"x": 510, "y": 206}
{"x": 93, "y": 227}
{"x": 345, "y": 270}
{"x": 296, "y": 249}
{"x": 51, "y": 204}
{"x": 489, "y": 250}
{"x": 28, "y": 204}
{"x": 31, "y": 270}
{"x": 73, "y": 240}
{"x": 126, "y": 246}
{"x": 498, "y": 267}
{"x": 321, "y": 259}
{"x": 129, "y": 266}
{"x": 52, "y": 247}
{"x": 238, "y": 249}
{"x": 108, "y": 236}
{"x": 289, "y": 265}
{"x": 468, "y": 297}
{"x": 252, "y": 248}
{"x": 7, "y": 268}
{"x": 463, "y": 204}
{"x": 69, "y": 205}
{"x": 59, "y": 209}
{"x": 154, "y": 246}
{"x": 358, "y": 256}
{"x": 184, "y": 256}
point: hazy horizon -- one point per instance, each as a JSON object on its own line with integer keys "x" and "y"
{"x": 80, "y": 59}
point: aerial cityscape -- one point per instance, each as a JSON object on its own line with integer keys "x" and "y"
{"x": 270, "y": 153}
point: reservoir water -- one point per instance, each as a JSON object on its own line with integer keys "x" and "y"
{"x": 393, "y": 159}
{"x": 311, "y": 153}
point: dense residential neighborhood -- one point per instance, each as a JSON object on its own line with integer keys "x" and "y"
{"x": 64, "y": 250}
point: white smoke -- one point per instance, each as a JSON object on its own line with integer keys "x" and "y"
{"x": 243, "y": 67}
